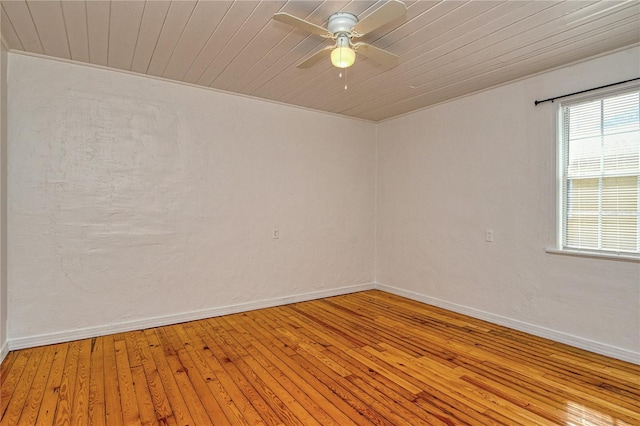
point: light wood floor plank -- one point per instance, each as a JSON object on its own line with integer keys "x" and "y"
{"x": 183, "y": 379}
{"x": 228, "y": 396}
{"x": 368, "y": 358}
{"x": 128, "y": 401}
{"x": 38, "y": 385}
{"x": 283, "y": 383}
{"x": 140, "y": 384}
{"x": 96, "y": 404}
{"x": 230, "y": 365}
{"x": 157, "y": 393}
{"x": 337, "y": 392}
{"x": 6, "y": 365}
{"x": 67, "y": 385}
{"x": 19, "y": 396}
{"x": 80, "y": 406}
{"x": 197, "y": 386}
{"x": 16, "y": 363}
{"x": 179, "y": 407}
{"x": 47, "y": 412}
{"x": 113, "y": 408}
{"x": 288, "y": 409}
{"x": 268, "y": 349}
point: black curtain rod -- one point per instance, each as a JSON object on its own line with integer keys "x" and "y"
{"x": 585, "y": 91}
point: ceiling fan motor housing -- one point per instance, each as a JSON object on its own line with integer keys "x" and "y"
{"x": 341, "y": 23}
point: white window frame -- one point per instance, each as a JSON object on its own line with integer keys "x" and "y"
{"x": 560, "y": 202}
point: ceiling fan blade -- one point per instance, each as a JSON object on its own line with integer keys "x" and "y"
{"x": 301, "y": 23}
{"x": 386, "y": 13}
{"x": 316, "y": 57}
{"x": 376, "y": 54}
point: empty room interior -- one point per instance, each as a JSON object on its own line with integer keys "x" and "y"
{"x": 320, "y": 212}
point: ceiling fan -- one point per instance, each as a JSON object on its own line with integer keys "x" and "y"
{"x": 343, "y": 27}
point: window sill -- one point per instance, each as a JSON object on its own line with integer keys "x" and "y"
{"x": 594, "y": 255}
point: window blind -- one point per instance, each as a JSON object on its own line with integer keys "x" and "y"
{"x": 600, "y": 193}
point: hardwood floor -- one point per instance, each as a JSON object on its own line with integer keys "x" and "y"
{"x": 364, "y": 358}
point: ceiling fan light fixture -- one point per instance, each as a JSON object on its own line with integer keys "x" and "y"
{"x": 343, "y": 57}
{"x": 344, "y": 27}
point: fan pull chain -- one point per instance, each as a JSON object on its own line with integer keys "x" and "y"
{"x": 345, "y": 71}
{"x": 345, "y": 78}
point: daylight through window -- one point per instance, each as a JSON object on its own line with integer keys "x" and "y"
{"x": 600, "y": 169}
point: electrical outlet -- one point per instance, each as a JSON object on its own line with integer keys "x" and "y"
{"x": 488, "y": 236}
{"x": 276, "y": 233}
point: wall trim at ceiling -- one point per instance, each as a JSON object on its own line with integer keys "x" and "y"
{"x": 183, "y": 83}
{"x": 103, "y": 67}
{"x": 557, "y": 336}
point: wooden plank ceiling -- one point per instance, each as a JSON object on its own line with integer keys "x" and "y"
{"x": 447, "y": 48}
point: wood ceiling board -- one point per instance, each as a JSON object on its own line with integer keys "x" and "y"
{"x": 280, "y": 50}
{"x": 285, "y": 68}
{"x": 435, "y": 15}
{"x": 447, "y": 93}
{"x": 444, "y": 60}
{"x": 377, "y": 32}
{"x": 237, "y": 14}
{"x": 233, "y": 60}
{"x": 570, "y": 33}
{"x": 505, "y": 28}
{"x": 172, "y": 28}
{"x": 75, "y": 19}
{"x": 446, "y": 24}
{"x": 98, "y": 13}
{"x": 446, "y": 20}
{"x": 49, "y": 21}
{"x": 422, "y": 60}
{"x": 510, "y": 73}
{"x": 405, "y": 75}
{"x": 20, "y": 17}
{"x": 246, "y": 61}
{"x": 242, "y": 82}
{"x": 527, "y": 42}
{"x": 416, "y": 18}
{"x": 124, "y": 26}
{"x": 251, "y": 26}
{"x": 444, "y": 47}
{"x": 8, "y": 32}
{"x": 281, "y": 44}
{"x": 153, "y": 18}
{"x": 607, "y": 8}
{"x": 205, "y": 19}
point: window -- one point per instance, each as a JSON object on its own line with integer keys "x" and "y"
{"x": 600, "y": 174}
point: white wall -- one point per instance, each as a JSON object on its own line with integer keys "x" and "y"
{"x": 487, "y": 161}
{"x": 132, "y": 198}
{"x": 3, "y": 201}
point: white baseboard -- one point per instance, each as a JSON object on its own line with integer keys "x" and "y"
{"x": 84, "y": 333}
{"x": 558, "y": 336}
{"x": 4, "y": 350}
